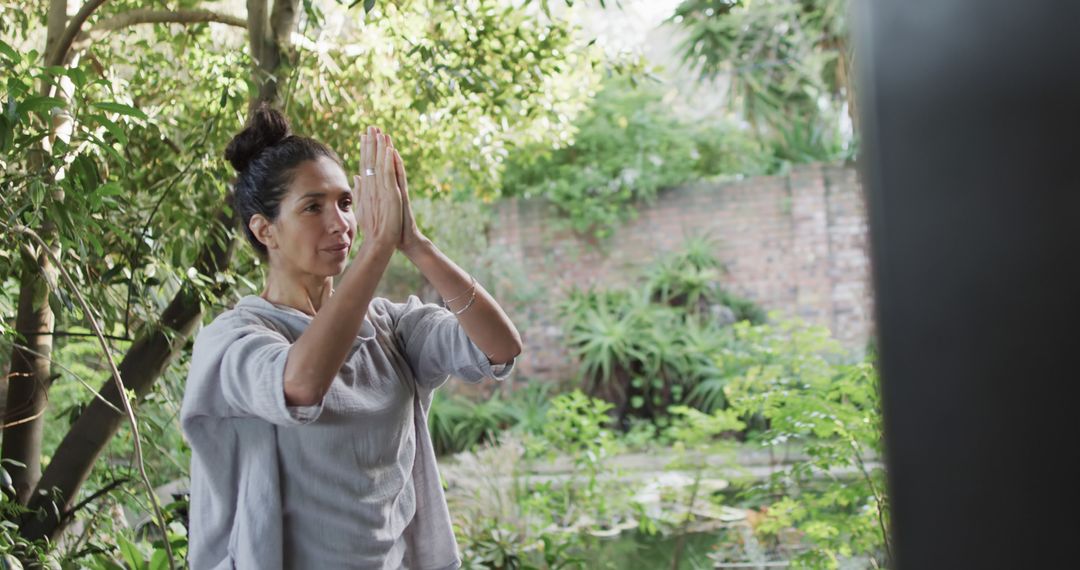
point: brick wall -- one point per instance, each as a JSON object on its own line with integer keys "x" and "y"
{"x": 795, "y": 244}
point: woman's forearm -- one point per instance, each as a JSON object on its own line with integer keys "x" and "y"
{"x": 485, "y": 322}
{"x": 316, "y": 357}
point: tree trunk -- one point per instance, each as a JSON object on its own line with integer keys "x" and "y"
{"x": 24, "y": 413}
{"x": 29, "y": 378}
{"x": 144, "y": 362}
{"x": 152, "y": 352}
{"x": 269, "y": 36}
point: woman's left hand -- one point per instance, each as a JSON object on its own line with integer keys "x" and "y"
{"x": 410, "y": 234}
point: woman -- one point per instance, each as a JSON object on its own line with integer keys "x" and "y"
{"x": 306, "y": 406}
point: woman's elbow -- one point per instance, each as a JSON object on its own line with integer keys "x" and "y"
{"x": 300, "y": 394}
{"x": 513, "y": 351}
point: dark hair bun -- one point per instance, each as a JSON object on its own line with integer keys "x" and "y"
{"x": 266, "y": 127}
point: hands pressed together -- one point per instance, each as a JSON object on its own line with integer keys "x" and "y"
{"x": 383, "y": 212}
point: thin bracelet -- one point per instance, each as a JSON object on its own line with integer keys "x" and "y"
{"x": 472, "y": 287}
{"x": 467, "y": 305}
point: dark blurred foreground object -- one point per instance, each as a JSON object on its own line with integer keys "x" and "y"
{"x": 971, "y": 117}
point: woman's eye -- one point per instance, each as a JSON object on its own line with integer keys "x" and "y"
{"x": 346, "y": 204}
{"x": 312, "y": 208}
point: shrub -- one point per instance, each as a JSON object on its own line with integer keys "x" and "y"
{"x": 458, "y": 424}
{"x": 833, "y": 495}
{"x": 628, "y": 146}
{"x": 647, "y": 348}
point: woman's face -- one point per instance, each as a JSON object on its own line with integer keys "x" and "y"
{"x": 315, "y": 227}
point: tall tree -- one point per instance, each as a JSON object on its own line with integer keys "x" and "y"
{"x": 788, "y": 64}
{"x": 156, "y": 347}
{"x": 31, "y": 369}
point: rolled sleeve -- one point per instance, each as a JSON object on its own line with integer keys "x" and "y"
{"x": 252, "y": 377}
{"x": 437, "y": 347}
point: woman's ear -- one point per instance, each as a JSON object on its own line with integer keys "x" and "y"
{"x": 263, "y": 230}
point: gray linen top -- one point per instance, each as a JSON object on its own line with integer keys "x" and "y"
{"x": 349, "y": 483}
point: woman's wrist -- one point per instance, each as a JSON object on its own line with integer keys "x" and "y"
{"x": 418, "y": 248}
{"x": 379, "y": 242}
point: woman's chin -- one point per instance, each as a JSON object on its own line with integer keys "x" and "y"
{"x": 335, "y": 265}
{"x": 327, "y": 270}
{"x": 339, "y": 268}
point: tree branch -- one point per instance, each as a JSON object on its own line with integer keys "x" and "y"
{"x": 59, "y": 54}
{"x": 75, "y": 334}
{"x": 102, "y": 491}
{"x": 146, "y": 16}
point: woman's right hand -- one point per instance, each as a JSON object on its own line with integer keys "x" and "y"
{"x": 378, "y": 200}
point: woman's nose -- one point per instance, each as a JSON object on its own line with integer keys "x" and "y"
{"x": 339, "y": 222}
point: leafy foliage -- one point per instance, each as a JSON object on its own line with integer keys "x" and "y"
{"x": 547, "y": 524}
{"x": 647, "y": 348}
{"x": 788, "y": 64}
{"x": 627, "y": 147}
{"x": 458, "y": 83}
{"x": 459, "y": 424}
{"x": 835, "y": 497}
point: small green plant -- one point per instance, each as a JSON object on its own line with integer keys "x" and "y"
{"x": 696, "y": 436}
{"x": 14, "y": 549}
{"x": 834, "y": 496}
{"x": 578, "y": 427}
{"x": 509, "y": 518}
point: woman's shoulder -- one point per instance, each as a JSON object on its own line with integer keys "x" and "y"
{"x": 242, "y": 316}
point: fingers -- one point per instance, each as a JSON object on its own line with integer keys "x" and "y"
{"x": 380, "y": 159}
{"x": 365, "y": 164}
{"x": 399, "y": 173}
{"x": 364, "y": 153}
{"x": 367, "y": 149}
{"x": 367, "y": 156}
{"x": 388, "y": 164}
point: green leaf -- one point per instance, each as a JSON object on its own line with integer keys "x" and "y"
{"x": 107, "y": 148}
{"x": 95, "y": 243}
{"x": 115, "y": 130}
{"x": 110, "y": 189}
{"x": 10, "y": 53}
{"x": 121, "y": 109}
{"x": 7, "y": 133}
{"x": 39, "y": 103}
{"x": 159, "y": 561}
{"x": 131, "y": 554}
{"x": 37, "y": 193}
{"x": 368, "y": 5}
{"x": 78, "y": 76}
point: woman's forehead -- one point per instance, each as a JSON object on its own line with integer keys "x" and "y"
{"x": 321, "y": 176}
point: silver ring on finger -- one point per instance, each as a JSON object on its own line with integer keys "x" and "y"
{"x": 369, "y": 172}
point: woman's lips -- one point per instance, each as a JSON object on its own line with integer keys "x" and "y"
{"x": 340, "y": 249}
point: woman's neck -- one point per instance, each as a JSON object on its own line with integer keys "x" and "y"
{"x": 304, "y": 293}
